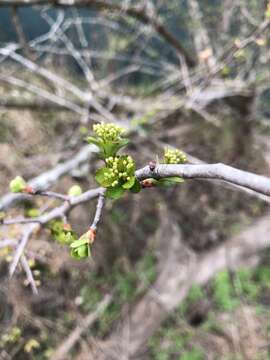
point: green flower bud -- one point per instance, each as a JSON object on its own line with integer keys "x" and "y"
{"x": 174, "y": 156}
{"x": 108, "y": 132}
{"x": 17, "y": 185}
{"x": 75, "y": 190}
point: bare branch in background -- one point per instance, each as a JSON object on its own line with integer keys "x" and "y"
{"x": 136, "y": 12}
{"x": 47, "y": 179}
{"x": 20, "y": 32}
{"x": 67, "y": 344}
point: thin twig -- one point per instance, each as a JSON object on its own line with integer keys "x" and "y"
{"x": 19, "y": 251}
{"x": 29, "y": 274}
{"x": 65, "y": 347}
{"x": 99, "y": 208}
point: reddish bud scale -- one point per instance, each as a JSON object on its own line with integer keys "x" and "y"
{"x": 67, "y": 227}
{"x": 147, "y": 184}
{"x": 29, "y": 190}
{"x": 91, "y": 233}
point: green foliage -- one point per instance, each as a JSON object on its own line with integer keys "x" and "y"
{"x": 223, "y": 291}
{"x": 125, "y": 285}
{"x": 262, "y": 275}
{"x": 146, "y": 268}
{"x": 169, "y": 341}
{"x": 194, "y": 354}
{"x": 75, "y": 190}
{"x": 11, "y": 337}
{"x": 171, "y": 156}
{"x": 245, "y": 285}
{"x": 17, "y": 185}
{"x": 118, "y": 175}
{"x": 62, "y": 232}
{"x": 80, "y": 249}
{"x": 169, "y": 181}
{"x": 195, "y": 293}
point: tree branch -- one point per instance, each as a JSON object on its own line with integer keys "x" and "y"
{"x": 48, "y": 178}
{"x": 137, "y": 12}
{"x": 218, "y": 171}
{"x": 65, "y": 347}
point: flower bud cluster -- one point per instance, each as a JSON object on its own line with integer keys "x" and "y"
{"x": 108, "y": 132}
{"x": 119, "y": 169}
{"x": 174, "y": 156}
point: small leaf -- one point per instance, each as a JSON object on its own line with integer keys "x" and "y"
{"x": 136, "y": 187}
{"x": 111, "y": 148}
{"x": 95, "y": 141}
{"x": 74, "y": 254}
{"x": 129, "y": 183}
{"x": 101, "y": 179}
{"x": 115, "y": 192}
{"x": 83, "y": 251}
{"x": 17, "y": 185}
{"x": 169, "y": 181}
{"x": 175, "y": 179}
{"x": 81, "y": 241}
{"x": 122, "y": 143}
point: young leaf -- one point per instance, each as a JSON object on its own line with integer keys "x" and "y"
{"x": 17, "y": 185}
{"x": 83, "y": 251}
{"x": 95, "y": 141}
{"x": 129, "y": 183}
{"x": 136, "y": 187}
{"x": 169, "y": 181}
{"x": 102, "y": 179}
{"x": 115, "y": 192}
{"x": 81, "y": 241}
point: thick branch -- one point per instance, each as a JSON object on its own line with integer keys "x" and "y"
{"x": 219, "y": 171}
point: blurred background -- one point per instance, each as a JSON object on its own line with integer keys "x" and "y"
{"x": 176, "y": 273}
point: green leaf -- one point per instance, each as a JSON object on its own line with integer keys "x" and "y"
{"x": 74, "y": 254}
{"x": 136, "y": 187}
{"x": 83, "y": 251}
{"x": 169, "y": 181}
{"x": 122, "y": 143}
{"x": 17, "y": 185}
{"x": 115, "y": 192}
{"x": 111, "y": 147}
{"x": 95, "y": 141}
{"x": 81, "y": 241}
{"x": 129, "y": 183}
{"x": 175, "y": 179}
{"x": 101, "y": 179}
